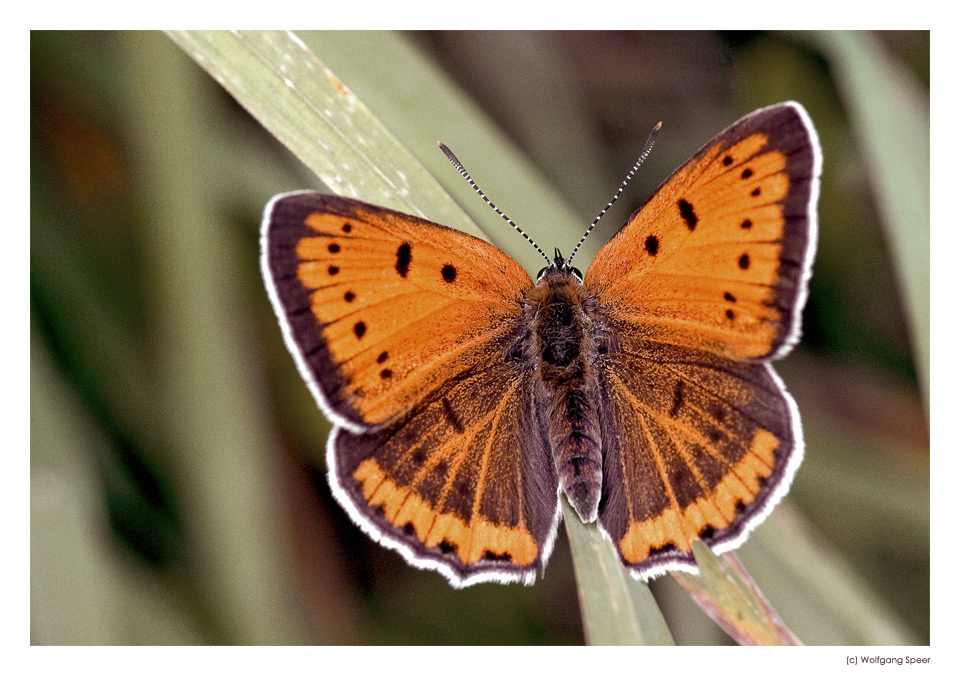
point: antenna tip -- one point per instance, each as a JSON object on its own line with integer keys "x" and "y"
{"x": 448, "y": 153}
{"x": 659, "y": 124}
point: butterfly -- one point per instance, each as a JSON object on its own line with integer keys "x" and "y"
{"x": 467, "y": 399}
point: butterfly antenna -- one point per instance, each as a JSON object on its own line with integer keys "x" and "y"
{"x": 648, "y": 146}
{"x": 463, "y": 172}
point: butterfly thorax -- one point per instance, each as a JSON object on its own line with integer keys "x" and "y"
{"x": 563, "y": 348}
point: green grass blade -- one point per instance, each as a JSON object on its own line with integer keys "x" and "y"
{"x": 617, "y": 610}
{"x": 820, "y": 594}
{"x": 422, "y": 105}
{"x": 728, "y": 595}
{"x": 285, "y": 86}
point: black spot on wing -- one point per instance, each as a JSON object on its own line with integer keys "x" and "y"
{"x": 404, "y": 257}
{"x": 687, "y": 213}
{"x": 652, "y": 245}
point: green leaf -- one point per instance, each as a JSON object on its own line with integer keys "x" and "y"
{"x": 823, "y": 597}
{"x": 617, "y": 610}
{"x": 728, "y": 594}
{"x": 311, "y": 111}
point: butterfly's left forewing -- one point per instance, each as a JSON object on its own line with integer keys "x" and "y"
{"x": 379, "y": 307}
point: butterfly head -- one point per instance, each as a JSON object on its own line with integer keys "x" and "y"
{"x": 560, "y": 265}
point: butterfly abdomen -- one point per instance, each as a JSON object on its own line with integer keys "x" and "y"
{"x": 566, "y": 395}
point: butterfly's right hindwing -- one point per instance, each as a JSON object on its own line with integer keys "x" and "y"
{"x": 695, "y": 446}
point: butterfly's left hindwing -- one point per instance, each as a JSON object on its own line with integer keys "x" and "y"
{"x": 459, "y": 484}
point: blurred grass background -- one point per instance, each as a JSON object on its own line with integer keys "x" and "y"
{"x": 177, "y": 488}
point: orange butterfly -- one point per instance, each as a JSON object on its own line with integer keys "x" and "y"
{"x": 466, "y": 398}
